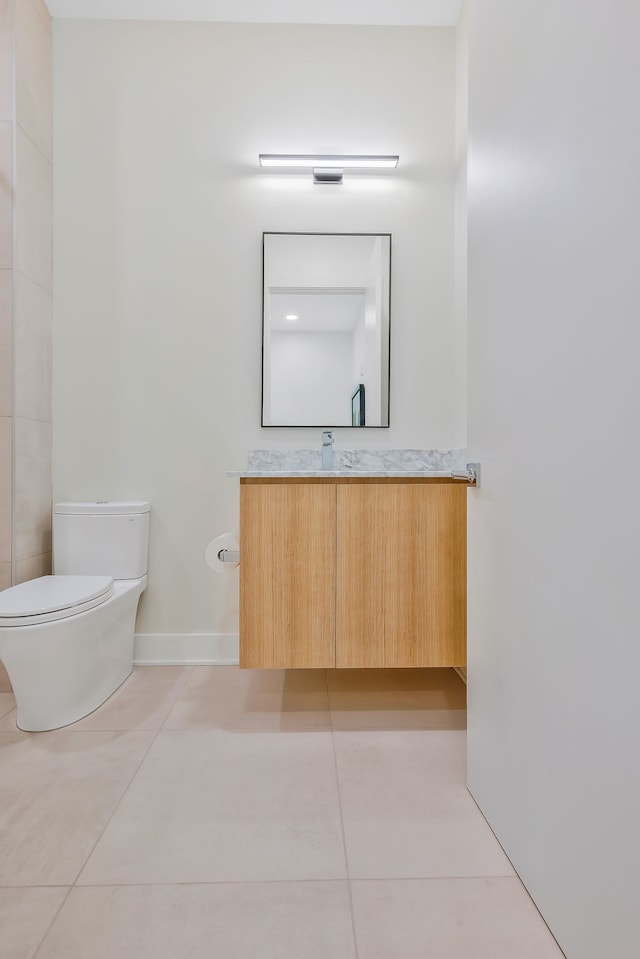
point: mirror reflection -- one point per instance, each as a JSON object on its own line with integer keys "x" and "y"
{"x": 325, "y": 331}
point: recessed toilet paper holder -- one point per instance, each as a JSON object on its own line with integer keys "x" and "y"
{"x": 229, "y": 555}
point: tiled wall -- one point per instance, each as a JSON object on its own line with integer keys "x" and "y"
{"x": 6, "y": 283}
{"x": 25, "y": 290}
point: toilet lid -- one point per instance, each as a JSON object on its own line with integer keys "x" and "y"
{"x": 52, "y": 597}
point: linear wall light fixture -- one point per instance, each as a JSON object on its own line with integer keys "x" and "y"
{"x": 327, "y": 169}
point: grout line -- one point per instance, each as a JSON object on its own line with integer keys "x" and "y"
{"x": 55, "y": 916}
{"x": 272, "y": 882}
{"x": 44, "y": 552}
{"x": 344, "y": 840}
{"x": 182, "y": 688}
{"x": 13, "y": 518}
{"x": 35, "y": 145}
{"x": 35, "y": 885}
{"x": 35, "y": 283}
{"x": 184, "y": 882}
{"x": 35, "y": 419}
{"x": 516, "y": 874}
{"x": 123, "y": 794}
{"x": 482, "y": 877}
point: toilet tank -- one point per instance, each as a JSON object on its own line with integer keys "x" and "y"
{"x": 102, "y": 539}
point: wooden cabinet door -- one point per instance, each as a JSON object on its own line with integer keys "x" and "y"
{"x": 401, "y": 593}
{"x": 287, "y": 575}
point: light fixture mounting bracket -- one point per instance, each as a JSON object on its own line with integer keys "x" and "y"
{"x": 327, "y": 175}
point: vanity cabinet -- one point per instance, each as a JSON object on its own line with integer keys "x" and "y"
{"x": 287, "y": 574}
{"x": 366, "y": 572}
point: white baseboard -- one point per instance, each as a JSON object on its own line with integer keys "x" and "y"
{"x": 185, "y": 649}
{"x": 462, "y": 673}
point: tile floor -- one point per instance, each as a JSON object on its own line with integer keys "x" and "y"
{"x": 212, "y": 813}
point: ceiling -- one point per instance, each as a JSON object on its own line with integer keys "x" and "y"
{"x": 317, "y": 311}
{"x": 428, "y": 13}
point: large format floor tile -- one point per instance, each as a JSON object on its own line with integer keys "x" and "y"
{"x": 449, "y": 919}
{"x": 5, "y": 682}
{"x": 216, "y": 806}
{"x": 215, "y": 826}
{"x": 25, "y": 916}
{"x": 143, "y": 700}
{"x": 7, "y": 703}
{"x": 397, "y": 699}
{"x": 57, "y": 792}
{"x": 8, "y": 720}
{"x": 407, "y": 812}
{"x": 227, "y": 697}
{"x": 240, "y": 921}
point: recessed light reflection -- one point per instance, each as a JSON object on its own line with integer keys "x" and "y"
{"x": 292, "y": 317}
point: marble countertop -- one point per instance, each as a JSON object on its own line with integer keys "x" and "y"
{"x": 353, "y": 473}
{"x": 408, "y": 463}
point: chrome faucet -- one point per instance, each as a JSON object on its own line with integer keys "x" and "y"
{"x": 327, "y": 450}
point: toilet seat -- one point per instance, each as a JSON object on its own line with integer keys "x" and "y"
{"x": 48, "y": 598}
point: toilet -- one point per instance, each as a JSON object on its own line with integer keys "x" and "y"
{"x": 66, "y": 640}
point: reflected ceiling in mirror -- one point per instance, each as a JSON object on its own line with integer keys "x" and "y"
{"x": 325, "y": 329}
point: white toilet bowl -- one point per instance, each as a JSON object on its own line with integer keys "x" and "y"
{"x": 67, "y": 644}
{"x": 66, "y": 640}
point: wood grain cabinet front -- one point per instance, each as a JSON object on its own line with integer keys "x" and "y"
{"x": 401, "y": 575}
{"x": 287, "y": 575}
{"x": 352, "y": 573}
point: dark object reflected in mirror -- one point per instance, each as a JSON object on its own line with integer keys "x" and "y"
{"x": 325, "y": 329}
{"x": 358, "y": 417}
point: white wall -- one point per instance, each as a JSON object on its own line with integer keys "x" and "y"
{"x": 159, "y": 208}
{"x": 554, "y": 344}
{"x": 311, "y": 377}
{"x": 459, "y": 384}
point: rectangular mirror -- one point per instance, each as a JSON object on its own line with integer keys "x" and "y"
{"x": 325, "y": 329}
